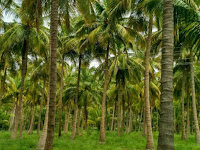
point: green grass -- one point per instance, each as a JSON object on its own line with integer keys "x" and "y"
{"x": 89, "y": 141}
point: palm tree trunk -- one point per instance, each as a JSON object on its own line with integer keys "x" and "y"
{"x": 140, "y": 119}
{"x": 166, "y": 129}
{"x": 188, "y": 114}
{"x": 175, "y": 119}
{"x": 38, "y": 13}
{"x": 12, "y": 118}
{"x": 76, "y": 101}
{"x": 67, "y": 112}
{"x": 144, "y": 131}
{"x": 60, "y": 101}
{"x": 157, "y": 119}
{"x": 23, "y": 75}
{"x": 42, "y": 140}
{"x": 102, "y": 126}
{"x": 40, "y": 111}
{"x": 113, "y": 117}
{"x": 78, "y": 122}
{"x": 53, "y": 75}
{"x": 136, "y": 116}
{"x": 182, "y": 107}
{"x": 32, "y": 120}
{"x": 82, "y": 125}
{"x": 123, "y": 114}
{"x": 149, "y": 142}
{"x": 128, "y": 115}
{"x": 192, "y": 129}
{"x": 196, "y": 124}
{"x": 14, "y": 132}
{"x": 119, "y": 107}
{"x": 106, "y": 116}
{"x": 3, "y": 84}
{"x": 130, "y": 121}
{"x": 39, "y": 116}
{"x": 86, "y": 116}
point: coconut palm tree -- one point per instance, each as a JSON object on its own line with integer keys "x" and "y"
{"x": 196, "y": 124}
{"x": 122, "y": 68}
{"x": 53, "y": 75}
{"x": 103, "y": 33}
{"x": 166, "y": 129}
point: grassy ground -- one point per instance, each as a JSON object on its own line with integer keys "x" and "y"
{"x": 89, "y": 141}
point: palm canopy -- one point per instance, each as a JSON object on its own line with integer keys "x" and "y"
{"x": 111, "y": 36}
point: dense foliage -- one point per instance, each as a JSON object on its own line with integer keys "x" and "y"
{"x": 109, "y": 68}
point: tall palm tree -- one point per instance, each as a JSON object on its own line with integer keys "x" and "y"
{"x": 103, "y": 34}
{"x": 166, "y": 129}
{"x": 178, "y": 70}
{"x": 76, "y": 100}
{"x": 33, "y": 90}
{"x": 42, "y": 72}
{"x": 53, "y": 75}
{"x": 194, "y": 109}
{"x": 150, "y": 142}
{"x": 102, "y": 129}
{"x": 60, "y": 98}
{"x": 19, "y": 35}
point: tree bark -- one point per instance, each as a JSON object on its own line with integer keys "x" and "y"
{"x": 42, "y": 140}
{"x": 53, "y": 75}
{"x": 14, "y": 132}
{"x": 166, "y": 129}
{"x": 82, "y": 124}
{"x": 196, "y": 124}
{"x": 113, "y": 117}
{"x": 136, "y": 116}
{"x": 130, "y": 121}
{"x": 23, "y": 75}
{"x": 78, "y": 122}
{"x": 157, "y": 120}
{"x": 76, "y": 102}
{"x": 60, "y": 100}
{"x": 67, "y": 112}
{"x": 3, "y": 82}
{"x": 188, "y": 114}
{"x": 102, "y": 126}
{"x": 128, "y": 115}
{"x": 12, "y": 118}
{"x": 119, "y": 107}
{"x": 38, "y": 14}
{"x": 175, "y": 119}
{"x": 123, "y": 115}
{"x": 182, "y": 106}
{"x": 144, "y": 131}
{"x": 86, "y": 116}
{"x": 192, "y": 129}
{"x": 40, "y": 111}
{"x": 149, "y": 140}
{"x": 32, "y": 120}
{"x": 106, "y": 116}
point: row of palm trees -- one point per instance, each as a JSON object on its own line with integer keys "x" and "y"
{"x": 115, "y": 33}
